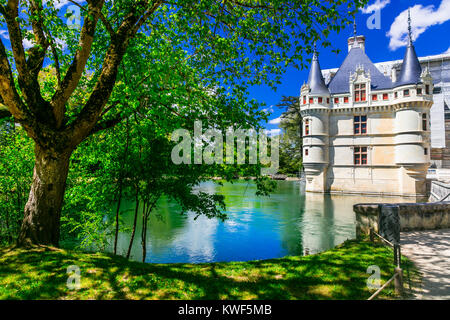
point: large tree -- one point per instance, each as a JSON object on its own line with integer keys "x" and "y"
{"x": 98, "y": 71}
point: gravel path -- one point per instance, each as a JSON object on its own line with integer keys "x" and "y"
{"x": 430, "y": 251}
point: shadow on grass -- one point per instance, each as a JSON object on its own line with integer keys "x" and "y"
{"x": 41, "y": 273}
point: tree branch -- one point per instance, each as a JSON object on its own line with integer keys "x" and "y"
{"x": 8, "y": 89}
{"x": 92, "y": 110}
{"x": 75, "y": 71}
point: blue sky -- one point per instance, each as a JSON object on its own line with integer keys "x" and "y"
{"x": 431, "y": 29}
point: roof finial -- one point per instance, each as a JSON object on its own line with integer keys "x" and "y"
{"x": 409, "y": 28}
{"x": 355, "y": 34}
{"x": 315, "y": 50}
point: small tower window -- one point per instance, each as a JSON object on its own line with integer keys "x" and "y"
{"x": 311, "y": 100}
{"x": 427, "y": 89}
{"x": 395, "y": 94}
{"x": 306, "y": 127}
{"x": 374, "y": 97}
{"x": 328, "y": 100}
{"x": 360, "y": 156}
{"x": 424, "y": 122}
{"x": 360, "y": 92}
{"x": 360, "y": 125}
{"x": 345, "y": 99}
{"x": 406, "y": 93}
{"x": 419, "y": 91}
{"x": 336, "y": 100}
{"x": 320, "y": 100}
{"x": 425, "y": 151}
{"x": 385, "y": 96}
{"x": 304, "y": 99}
{"x": 306, "y": 152}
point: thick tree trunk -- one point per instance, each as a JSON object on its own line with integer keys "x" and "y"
{"x": 41, "y": 223}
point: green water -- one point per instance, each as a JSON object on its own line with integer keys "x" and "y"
{"x": 289, "y": 222}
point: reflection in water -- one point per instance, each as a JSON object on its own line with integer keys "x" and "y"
{"x": 289, "y": 222}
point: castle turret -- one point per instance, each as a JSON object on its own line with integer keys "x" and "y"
{"x": 315, "y": 103}
{"x": 413, "y": 100}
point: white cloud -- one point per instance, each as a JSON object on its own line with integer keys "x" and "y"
{"x": 421, "y": 19}
{"x": 272, "y": 132}
{"x": 275, "y": 121}
{"x": 4, "y": 34}
{"x": 377, "y": 5}
{"x": 448, "y": 51}
{"x": 268, "y": 110}
{"x": 27, "y": 44}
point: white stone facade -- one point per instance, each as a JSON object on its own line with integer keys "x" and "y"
{"x": 368, "y": 140}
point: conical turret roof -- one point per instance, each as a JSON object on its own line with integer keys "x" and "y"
{"x": 315, "y": 79}
{"x": 411, "y": 69}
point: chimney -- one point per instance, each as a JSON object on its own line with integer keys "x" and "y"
{"x": 394, "y": 74}
{"x": 360, "y": 42}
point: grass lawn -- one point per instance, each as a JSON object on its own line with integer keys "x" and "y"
{"x": 340, "y": 273}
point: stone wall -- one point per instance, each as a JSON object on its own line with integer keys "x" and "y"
{"x": 412, "y": 216}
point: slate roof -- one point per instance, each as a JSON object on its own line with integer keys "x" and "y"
{"x": 315, "y": 79}
{"x": 356, "y": 57}
{"x": 411, "y": 69}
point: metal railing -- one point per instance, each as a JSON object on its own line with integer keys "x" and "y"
{"x": 398, "y": 272}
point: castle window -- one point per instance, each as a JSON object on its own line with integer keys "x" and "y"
{"x": 425, "y": 151}
{"x": 424, "y": 121}
{"x": 304, "y": 99}
{"x": 320, "y": 100}
{"x": 374, "y": 97}
{"x": 406, "y": 93}
{"x": 336, "y": 100}
{"x": 328, "y": 100}
{"x": 427, "y": 89}
{"x": 311, "y": 100}
{"x": 360, "y": 125}
{"x": 419, "y": 91}
{"x": 360, "y": 156}
{"x": 345, "y": 99}
{"x": 306, "y": 127}
{"x": 395, "y": 94}
{"x": 360, "y": 92}
{"x": 306, "y": 152}
{"x": 385, "y": 96}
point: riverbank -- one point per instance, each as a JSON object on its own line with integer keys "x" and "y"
{"x": 340, "y": 273}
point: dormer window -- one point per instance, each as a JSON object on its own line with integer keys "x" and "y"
{"x": 360, "y": 92}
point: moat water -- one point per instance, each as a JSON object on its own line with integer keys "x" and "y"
{"x": 289, "y": 222}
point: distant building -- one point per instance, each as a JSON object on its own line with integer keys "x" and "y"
{"x": 368, "y": 131}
